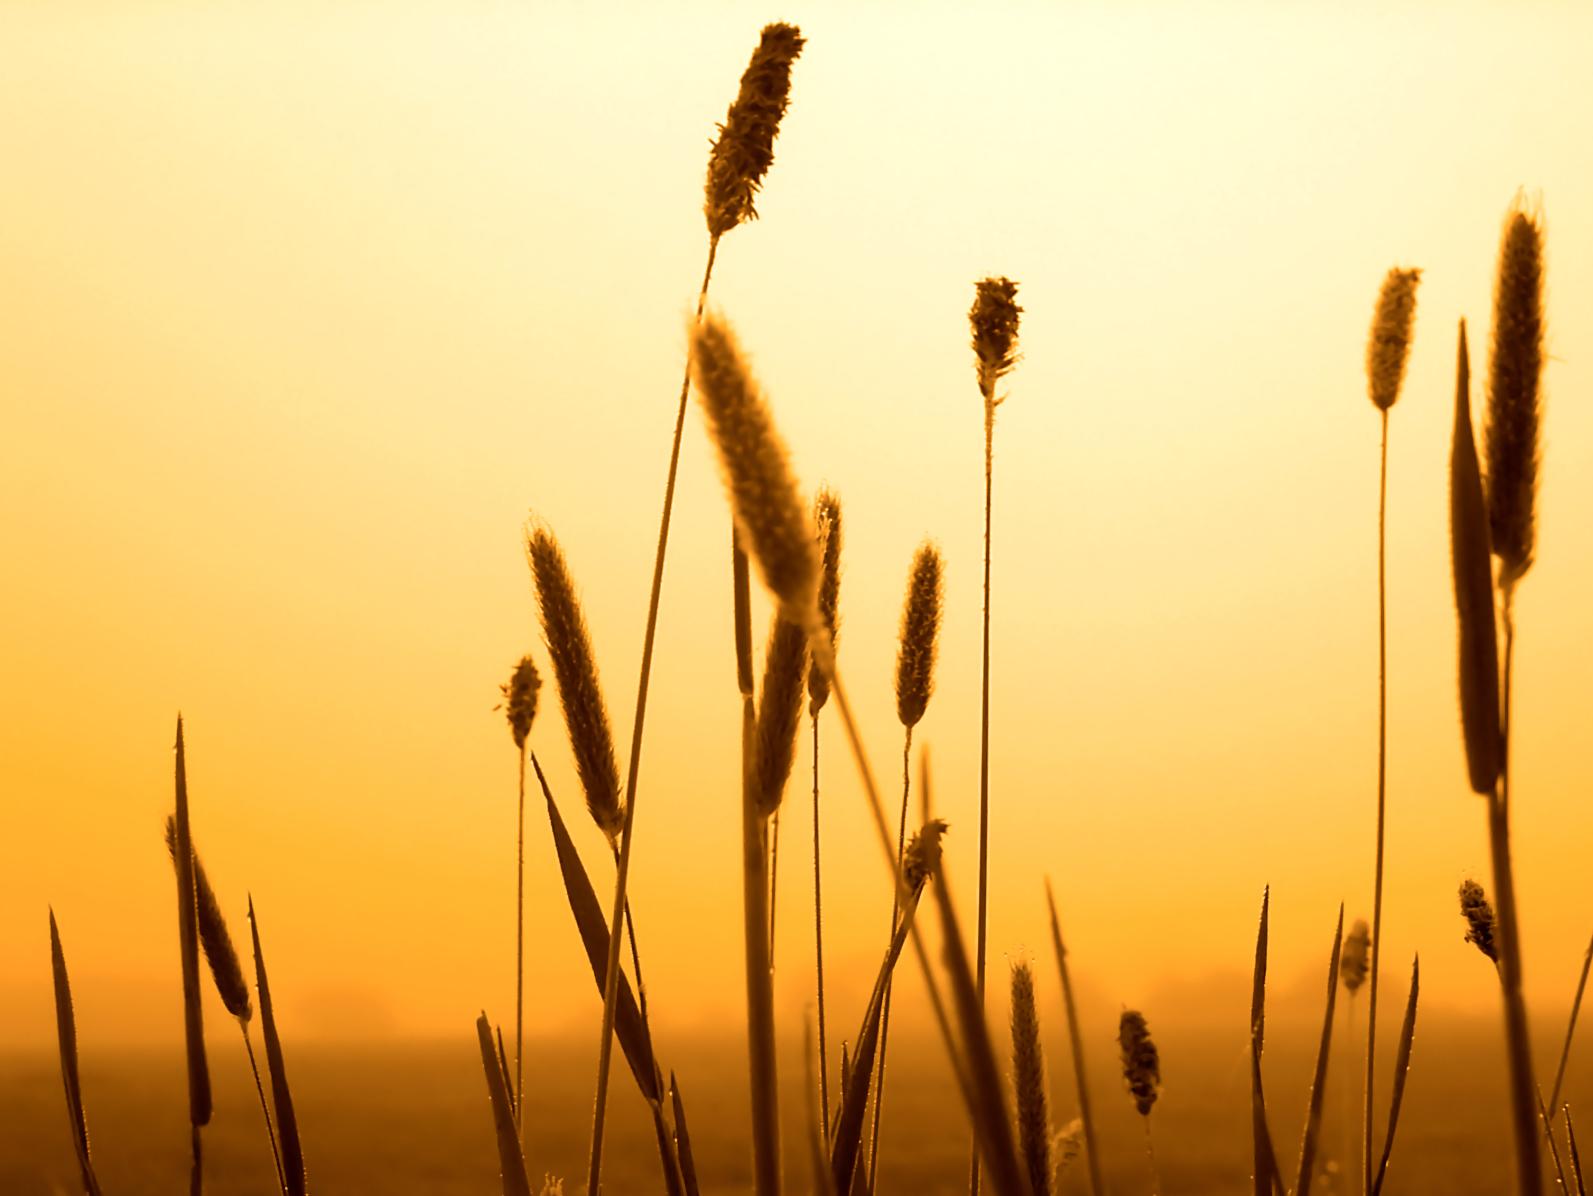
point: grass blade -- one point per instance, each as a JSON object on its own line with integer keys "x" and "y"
{"x": 1570, "y": 1031}
{"x": 503, "y": 1062}
{"x": 1266, "y": 1175}
{"x": 510, "y": 1160}
{"x": 1407, "y": 1034}
{"x": 1081, "y": 1081}
{"x": 281, "y": 1095}
{"x": 1554, "y": 1147}
{"x": 199, "y": 1101}
{"x": 1313, "y": 1117}
{"x": 818, "y": 1162}
{"x": 66, "y": 1029}
{"x": 688, "y": 1169}
{"x": 1574, "y": 1155}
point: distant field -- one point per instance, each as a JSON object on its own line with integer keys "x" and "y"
{"x": 402, "y": 1119}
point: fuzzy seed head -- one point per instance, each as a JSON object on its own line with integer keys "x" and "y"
{"x": 922, "y": 858}
{"x": 994, "y": 317}
{"x": 770, "y": 515}
{"x": 1142, "y": 1068}
{"x": 1028, "y": 1082}
{"x": 1514, "y": 374}
{"x": 1388, "y": 347}
{"x": 1480, "y": 924}
{"x": 915, "y": 654}
{"x": 520, "y": 699}
{"x": 827, "y": 526}
{"x": 575, "y": 674}
{"x": 744, "y": 149}
{"x": 1353, "y": 959}
{"x": 785, "y": 667}
{"x": 1473, "y": 578}
{"x": 225, "y": 969}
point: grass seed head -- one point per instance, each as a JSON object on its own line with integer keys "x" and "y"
{"x": 1478, "y": 912}
{"x": 1142, "y": 1068}
{"x": 520, "y": 699}
{"x": 1388, "y": 347}
{"x": 744, "y": 149}
{"x": 920, "y": 631}
{"x": 827, "y": 525}
{"x": 994, "y": 318}
{"x": 1353, "y": 959}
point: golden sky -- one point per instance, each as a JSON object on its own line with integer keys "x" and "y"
{"x": 302, "y": 311}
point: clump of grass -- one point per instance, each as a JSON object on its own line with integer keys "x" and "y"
{"x": 1142, "y": 1073}
{"x": 520, "y": 704}
{"x": 1481, "y": 925}
{"x": 1387, "y": 350}
{"x": 1028, "y": 1082}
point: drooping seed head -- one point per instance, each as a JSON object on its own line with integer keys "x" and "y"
{"x": 1142, "y": 1067}
{"x": 225, "y": 968}
{"x": 1515, "y": 369}
{"x": 1388, "y": 347}
{"x": 827, "y": 524}
{"x": 785, "y": 665}
{"x": 1480, "y": 923}
{"x": 770, "y": 516}
{"x": 744, "y": 149}
{"x": 994, "y": 317}
{"x": 1473, "y": 578}
{"x": 1353, "y": 960}
{"x": 520, "y": 699}
{"x": 920, "y": 631}
{"x": 575, "y": 674}
{"x": 922, "y": 858}
{"x": 1028, "y": 1082}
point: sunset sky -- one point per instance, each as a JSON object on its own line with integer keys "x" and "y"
{"x": 303, "y": 310}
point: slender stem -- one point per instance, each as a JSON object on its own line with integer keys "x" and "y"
{"x": 605, "y": 1050}
{"x": 1375, "y": 947}
{"x": 774, "y": 875}
{"x": 885, "y": 1006}
{"x": 1150, "y": 1153}
{"x": 818, "y": 942}
{"x": 519, "y": 964}
{"x": 1570, "y": 1031}
{"x": 1076, "y": 1042}
{"x": 636, "y": 959}
{"x": 1523, "y": 1090}
{"x": 271, "y": 1131}
{"x": 196, "y": 1172}
{"x": 984, "y": 749}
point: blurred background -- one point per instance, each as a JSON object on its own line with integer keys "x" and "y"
{"x": 304, "y": 310}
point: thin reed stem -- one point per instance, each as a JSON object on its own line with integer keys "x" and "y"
{"x": 1150, "y": 1155}
{"x": 984, "y": 750}
{"x": 1523, "y": 1090}
{"x": 818, "y": 941}
{"x": 636, "y": 958}
{"x": 519, "y": 963}
{"x": 774, "y": 876}
{"x": 885, "y": 1009}
{"x": 1076, "y": 1042}
{"x": 1375, "y": 948}
{"x": 265, "y": 1109}
{"x": 1570, "y": 1031}
{"x": 605, "y": 1051}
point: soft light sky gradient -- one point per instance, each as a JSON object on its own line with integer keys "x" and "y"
{"x": 303, "y": 308}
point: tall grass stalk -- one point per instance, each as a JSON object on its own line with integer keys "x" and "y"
{"x": 827, "y": 523}
{"x": 1081, "y": 1081}
{"x": 1388, "y": 348}
{"x": 520, "y": 703}
{"x": 741, "y": 156}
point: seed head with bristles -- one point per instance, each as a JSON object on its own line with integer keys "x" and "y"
{"x": 1142, "y": 1068}
{"x": 1388, "y": 347}
{"x": 1353, "y": 961}
{"x": 1028, "y": 1082}
{"x": 827, "y": 523}
{"x": 520, "y": 699}
{"x": 744, "y": 149}
{"x": 225, "y": 969}
{"x": 1514, "y": 372}
{"x": 770, "y": 516}
{"x": 779, "y": 710}
{"x": 575, "y": 673}
{"x": 994, "y": 317}
{"x": 922, "y": 858}
{"x": 915, "y": 655}
{"x": 1480, "y": 923}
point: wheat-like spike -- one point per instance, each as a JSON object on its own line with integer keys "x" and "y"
{"x": 575, "y": 672}
{"x": 520, "y": 699}
{"x": 1028, "y": 1082}
{"x": 225, "y": 968}
{"x": 1473, "y": 577}
{"x": 994, "y": 318}
{"x": 1353, "y": 959}
{"x": 1388, "y": 346}
{"x": 785, "y": 667}
{"x": 1514, "y": 373}
{"x": 770, "y": 515}
{"x": 920, "y": 630}
{"x": 744, "y": 149}
{"x": 1481, "y": 925}
{"x": 1142, "y": 1070}
{"x": 827, "y": 523}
